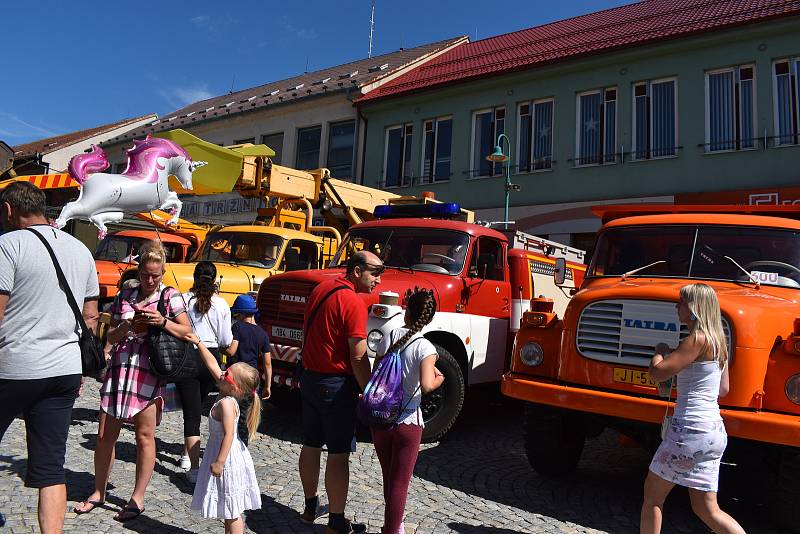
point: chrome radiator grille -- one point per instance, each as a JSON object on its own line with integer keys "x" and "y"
{"x": 627, "y": 331}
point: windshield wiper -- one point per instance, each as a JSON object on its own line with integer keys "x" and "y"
{"x": 745, "y": 271}
{"x": 634, "y": 271}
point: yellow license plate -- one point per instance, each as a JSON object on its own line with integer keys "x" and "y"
{"x": 632, "y": 376}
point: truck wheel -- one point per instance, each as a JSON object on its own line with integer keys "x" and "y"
{"x": 787, "y": 491}
{"x": 441, "y": 407}
{"x": 553, "y": 441}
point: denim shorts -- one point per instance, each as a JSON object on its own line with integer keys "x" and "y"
{"x": 329, "y": 411}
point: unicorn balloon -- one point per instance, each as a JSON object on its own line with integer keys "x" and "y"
{"x": 104, "y": 198}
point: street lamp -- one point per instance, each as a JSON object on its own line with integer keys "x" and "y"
{"x": 498, "y": 156}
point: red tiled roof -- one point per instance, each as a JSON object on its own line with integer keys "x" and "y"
{"x": 622, "y": 27}
{"x": 45, "y": 146}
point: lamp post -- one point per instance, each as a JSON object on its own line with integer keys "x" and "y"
{"x": 498, "y": 156}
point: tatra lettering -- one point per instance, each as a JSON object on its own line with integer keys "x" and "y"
{"x": 651, "y": 325}
{"x": 293, "y": 298}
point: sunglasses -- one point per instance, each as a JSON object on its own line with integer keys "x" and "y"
{"x": 228, "y": 377}
{"x": 376, "y": 270}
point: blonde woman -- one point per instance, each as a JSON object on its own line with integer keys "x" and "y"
{"x": 691, "y": 451}
{"x": 130, "y": 391}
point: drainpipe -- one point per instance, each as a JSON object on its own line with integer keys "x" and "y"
{"x": 361, "y": 119}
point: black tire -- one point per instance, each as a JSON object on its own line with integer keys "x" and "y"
{"x": 440, "y": 408}
{"x": 553, "y": 440}
{"x": 284, "y": 398}
{"x": 787, "y": 491}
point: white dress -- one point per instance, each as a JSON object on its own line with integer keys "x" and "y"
{"x": 237, "y": 489}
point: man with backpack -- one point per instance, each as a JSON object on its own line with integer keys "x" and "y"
{"x": 335, "y": 370}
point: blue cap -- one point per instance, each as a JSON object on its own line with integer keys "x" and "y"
{"x": 244, "y": 304}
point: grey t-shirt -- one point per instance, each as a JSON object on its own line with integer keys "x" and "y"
{"x": 39, "y": 334}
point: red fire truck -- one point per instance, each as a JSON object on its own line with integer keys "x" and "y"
{"x": 483, "y": 280}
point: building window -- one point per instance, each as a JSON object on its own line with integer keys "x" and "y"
{"x": 308, "y": 140}
{"x": 597, "y": 127}
{"x": 535, "y": 140}
{"x": 730, "y": 109}
{"x": 655, "y": 132}
{"x": 251, "y": 140}
{"x": 787, "y": 107}
{"x": 341, "y": 140}
{"x": 487, "y": 125}
{"x": 436, "y": 150}
{"x": 275, "y": 142}
{"x": 397, "y": 156}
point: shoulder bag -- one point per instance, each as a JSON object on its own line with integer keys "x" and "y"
{"x": 171, "y": 359}
{"x": 298, "y": 370}
{"x": 93, "y": 360}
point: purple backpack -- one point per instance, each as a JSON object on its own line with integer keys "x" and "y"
{"x": 382, "y": 401}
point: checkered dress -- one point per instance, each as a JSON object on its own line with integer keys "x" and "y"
{"x": 129, "y": 386}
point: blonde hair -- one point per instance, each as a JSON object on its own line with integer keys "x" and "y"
{"x": 702, "y": 302}
{"x": 246, "y": 378}
{"x": 152, "y": 252}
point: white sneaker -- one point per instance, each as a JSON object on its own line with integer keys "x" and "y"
{"x": 191, "y": 475}
{"x": 186, "y": 463}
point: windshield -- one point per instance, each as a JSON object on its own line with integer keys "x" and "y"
{"x": 770, "y": 255}
{"x": 245, "y": 248}
{"x": 440, "y": 251}
{"x": 125, "y": 249}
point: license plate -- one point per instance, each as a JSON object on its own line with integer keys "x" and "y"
{"x": 632, "y": 376}
{"x": 287, "y": 333}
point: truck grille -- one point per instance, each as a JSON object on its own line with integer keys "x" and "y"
{"x": 627, "y": 331}
{"x": 283, "y": 302}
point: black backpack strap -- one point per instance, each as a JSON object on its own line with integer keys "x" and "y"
{"x": 313, "y": 313}
{"x": 62, "y": 281}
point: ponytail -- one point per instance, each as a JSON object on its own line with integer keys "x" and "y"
{"x": 205, "y": 273}
{"x": 253, "y": 415}
{"x": 421, "y": 307}
{"x": 246, "y": 378}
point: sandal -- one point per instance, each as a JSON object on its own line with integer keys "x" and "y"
{"x": 94, "y": 504}
{"x": 129, "y": 509}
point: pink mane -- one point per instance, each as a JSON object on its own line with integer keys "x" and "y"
{"x": 143, "y": 158}
{"x": 82, "y": 165}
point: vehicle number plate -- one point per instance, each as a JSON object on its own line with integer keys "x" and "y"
{"x": 631, "y": 376}
{"x": 287, "y": 333}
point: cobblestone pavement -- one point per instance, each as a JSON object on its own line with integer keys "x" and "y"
{"x": 476, "y": 481}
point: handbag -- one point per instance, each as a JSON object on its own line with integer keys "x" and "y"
{"x": 298, "y": 370}
{"x": 171, "y": 358}
{"x": 93, "y": 360}
{"x": 667, "y": 421}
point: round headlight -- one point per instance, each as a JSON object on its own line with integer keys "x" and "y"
{"x": 792, "y": 389}
{"x": 373, "y": 339}
{"x": 531, "y": 354}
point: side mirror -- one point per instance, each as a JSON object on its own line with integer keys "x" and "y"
{"x": 473, "y": 272}
{"x": 560, "y": 272}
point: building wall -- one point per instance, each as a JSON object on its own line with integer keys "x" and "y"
{"x": 566, "y": 185}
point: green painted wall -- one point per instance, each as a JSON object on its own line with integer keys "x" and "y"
{"x": 692, "y": 170}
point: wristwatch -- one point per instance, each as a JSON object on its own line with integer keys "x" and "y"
{"x": 164, "y": 324}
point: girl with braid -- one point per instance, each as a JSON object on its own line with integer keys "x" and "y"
{"x": 397, "y": 447}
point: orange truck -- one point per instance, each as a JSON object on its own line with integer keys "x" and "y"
{"x": 587, "y": 370}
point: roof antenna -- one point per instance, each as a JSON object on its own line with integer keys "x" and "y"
{"x": 233, "y": 80}
{"x": 476, "y": 33}
{"x": 371, "y": 27}
{"x": 306, "y": 71}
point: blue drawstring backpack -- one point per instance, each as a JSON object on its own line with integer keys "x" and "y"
{"x": 382, "y": 401}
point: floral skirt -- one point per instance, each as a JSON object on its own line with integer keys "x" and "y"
{"x": 691, "y": 453}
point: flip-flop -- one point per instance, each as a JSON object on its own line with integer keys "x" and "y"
{"x": 94, "y": 504}
{"x": 129, "y": 509}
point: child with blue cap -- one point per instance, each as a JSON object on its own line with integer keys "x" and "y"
{"x": 250, "y": 344}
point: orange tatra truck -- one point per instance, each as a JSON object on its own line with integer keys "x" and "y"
{"x": 587, "y": 370}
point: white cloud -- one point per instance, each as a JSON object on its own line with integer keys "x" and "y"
{"x": 13, "y": 127}
{"x": 177, "y": 97}
{"x": 302, "y": 33}
{"x": 200, "y": 20}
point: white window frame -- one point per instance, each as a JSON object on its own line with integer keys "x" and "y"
{"x": 432, "y": 178}
{"x": 532, "y": 104}
{"x": 739, "y": 138}
{"x": 579, "y": 155}
{"x": 402, "y": 127}
{"x": 634, "y": 148}
{"x": 475, "y": 114}
{"x": 794, "y": 68}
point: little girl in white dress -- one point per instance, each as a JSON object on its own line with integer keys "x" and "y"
{"x": 226, "y": 483}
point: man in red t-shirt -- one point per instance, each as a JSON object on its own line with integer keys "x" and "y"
{"x": 335, "y": 370}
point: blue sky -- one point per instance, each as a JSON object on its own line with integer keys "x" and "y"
{"x": 68, "y": 66}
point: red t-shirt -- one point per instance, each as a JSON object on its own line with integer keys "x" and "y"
{"x": 343, "y": 315}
